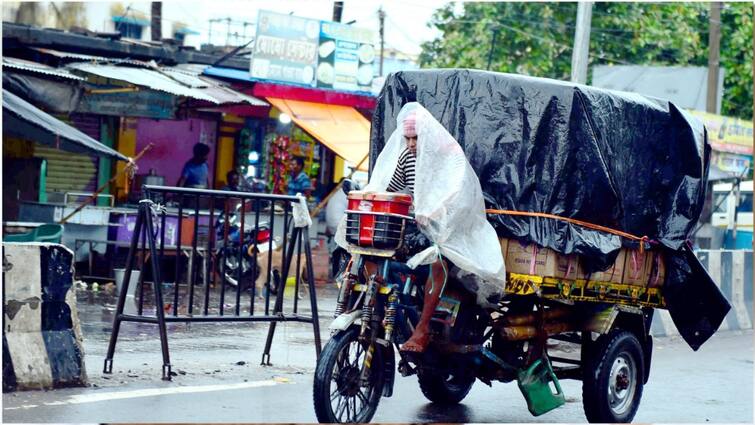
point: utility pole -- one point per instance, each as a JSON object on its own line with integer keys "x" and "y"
{"x": 337, "y": 10}
{"x": 492, "y": 46}
{"x": 228, "y": 31}
{"x": 157, "y": 20}
{"x": 381, "y": 17}
{"x": 581, "y": 51}
{"x": 714, "y": 55}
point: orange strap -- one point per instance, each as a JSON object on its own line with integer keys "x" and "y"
{"x": 641, "y": 239}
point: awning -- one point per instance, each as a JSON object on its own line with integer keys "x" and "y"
{"x": 143, "y": 77}
{"x": 341, "y": 128}
{"x": 24, "y": 120}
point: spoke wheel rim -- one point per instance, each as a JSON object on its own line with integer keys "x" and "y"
{"x": 348, "y": 399}
{"x": 622, "y": 384}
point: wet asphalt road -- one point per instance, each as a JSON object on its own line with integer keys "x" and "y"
{"x": 220, "y": 380}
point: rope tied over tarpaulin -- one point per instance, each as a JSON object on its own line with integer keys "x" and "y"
{"x": 641, "y": 239}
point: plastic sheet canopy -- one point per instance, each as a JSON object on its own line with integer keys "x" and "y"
{"x": 615, "y": 159}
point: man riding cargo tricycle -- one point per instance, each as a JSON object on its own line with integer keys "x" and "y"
{"x": 505, "y": 218}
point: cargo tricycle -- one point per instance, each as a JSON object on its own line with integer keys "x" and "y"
{"x": 590, "y": 196}
{"x": 506, "y": 341}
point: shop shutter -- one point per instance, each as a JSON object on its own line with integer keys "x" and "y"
{"x": 71, "y": 172}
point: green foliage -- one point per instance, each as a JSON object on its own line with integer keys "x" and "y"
{"x": 536, "y": 39}
{"x": 736, "y": 59}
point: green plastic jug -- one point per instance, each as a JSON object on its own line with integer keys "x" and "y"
{"x": 535, "y": 384}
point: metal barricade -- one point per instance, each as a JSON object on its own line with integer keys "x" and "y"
{"x": 228, "y": 240}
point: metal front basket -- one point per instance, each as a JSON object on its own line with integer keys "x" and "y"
{"x": 375, "y": 229}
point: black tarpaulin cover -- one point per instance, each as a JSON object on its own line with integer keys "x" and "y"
{"x": 615, "y": 159}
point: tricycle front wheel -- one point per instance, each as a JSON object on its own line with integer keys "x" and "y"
{"x": 338, "y": 394}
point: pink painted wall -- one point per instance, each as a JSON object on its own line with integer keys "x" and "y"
{"x": 173, "y": 142}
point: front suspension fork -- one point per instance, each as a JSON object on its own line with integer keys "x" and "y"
{"x": 371, "y": 320}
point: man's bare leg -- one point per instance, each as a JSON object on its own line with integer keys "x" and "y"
{"x": 421, "y": 335}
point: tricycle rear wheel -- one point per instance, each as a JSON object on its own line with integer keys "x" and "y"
{"x": 614, "y": 371}
{"x": 443, "y": 387}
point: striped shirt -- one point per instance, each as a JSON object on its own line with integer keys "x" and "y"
{"x": 403, "y": 177}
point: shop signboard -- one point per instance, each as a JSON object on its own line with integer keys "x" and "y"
{"x": 142, "y": 103}
{"x": 345, "y": 57}
{"x": 727, "y": 134}
{"x": 285, "y": 48}
{"x": 731, "y": 163}
{"x": 313, "y": 53}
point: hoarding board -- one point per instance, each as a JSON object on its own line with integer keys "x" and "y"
{"x": 727, "y": 134}
{"x": 731, "y": 163}
{"x": 310, "y": 52}
{"x": 345, "y": 57}
{"x": 285, "y": 48}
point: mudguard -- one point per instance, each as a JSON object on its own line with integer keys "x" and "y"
{"x": 345, "y": 320}
{"x": 389, "y": 369}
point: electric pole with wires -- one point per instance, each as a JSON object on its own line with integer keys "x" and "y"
{"x": 581, "y": 52}
{"x": 714, "y": 57}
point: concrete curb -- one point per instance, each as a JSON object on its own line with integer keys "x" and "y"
{"x": 42, "y": 340}
{"x": 732, "y": 272}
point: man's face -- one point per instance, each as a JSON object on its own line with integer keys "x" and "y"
{"x": 296, "y": 167}
{"x": 233, "y": 180}
{"x": 411, "y": 144}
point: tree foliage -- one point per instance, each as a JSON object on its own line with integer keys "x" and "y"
{"x": 536, "y": 39}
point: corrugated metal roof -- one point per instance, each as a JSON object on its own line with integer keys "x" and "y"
{"x": 184, "y": 77}
{"x": 226, "y": 95}
{"x": 37, "y": 67}
{"x": 191, "y": 68}
{"x": 143, "y": 77}
{"x": 89, "y": 58}
{"x": 211, "y": 87}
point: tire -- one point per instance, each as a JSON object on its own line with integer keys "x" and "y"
{"x": 229, "y": 262}
{"x": 444, "y": 388}
{"x": 337, "y": 375}
{"x": 614, "y": 370}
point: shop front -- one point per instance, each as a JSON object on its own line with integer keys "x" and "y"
{"x": 323, "y": 127}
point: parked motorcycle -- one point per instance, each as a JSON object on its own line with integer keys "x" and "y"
{"x": 236, "y": 260}
{"x": 505, "y": 341}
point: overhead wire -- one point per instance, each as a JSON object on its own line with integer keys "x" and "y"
{"x": 600, "y": 56}
{"x": 550, "y": 24}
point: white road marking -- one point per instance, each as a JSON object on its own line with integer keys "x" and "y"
{"x": 152, "y": 392}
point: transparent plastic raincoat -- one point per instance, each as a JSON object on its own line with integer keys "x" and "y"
{"x": 448, "y": 202}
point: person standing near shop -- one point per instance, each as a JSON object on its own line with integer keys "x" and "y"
{"x": 299, "y": 180}
{"x": 196, "y": 172}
